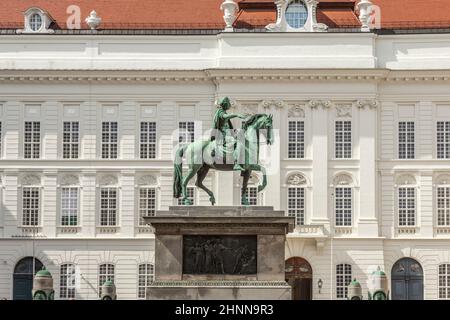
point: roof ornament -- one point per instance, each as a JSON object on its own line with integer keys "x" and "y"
{"x": 365, "y": 10}
{"x": 229, "y": 8}
{"x": 93, "y": 21}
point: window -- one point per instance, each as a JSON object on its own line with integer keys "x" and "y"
{"x": 444, "y": 281}
{"x": 191, "y": 196}
{"x": 443, "y": 206}
{"x": 108, "y": 206}
{"x": 71, "y": 134}
{"x": 106, "y": 272}
{"x": 296, "y": 14}
{"x": 296, "y": 139}
{"x": 443, "y": 140}
{"x": 186, "y": 132}
{"x": 109, "y": 140}
{"x": 32, "y": 140}
{"x": 147, "y": 203}
{"x": 343, "y": 206}
{"x": 35, "y": 22}
{"x": 67, "y": 284}
{"x": 145, "y": 278}
{"x": 406, "y": 206}
{"x": 343, "y": 139}
{"x": 406, "y": 140}
{"x": 30, "y": 206}
{"x": 69, "y": 206}
{"x": 296, "y": 204}
{"x": 148, "y": 140}
{"x": 343, "y": 279}
{"x": 252, "y": 196}
{"x": 1, "y": 144}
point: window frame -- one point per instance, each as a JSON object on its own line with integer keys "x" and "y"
{"x": 345, "y": 154}
{"x": 407, "y": 143}
{"x": 300, "y": 213}
{"x": 117, "y": 206}
{"x": 78, "y": 215}
{"x": 343, "y": 209}
{"x": 300, "y": 4}
{"x": 446, "y": 208}
{"x": 147, "y": 144}
{"x": 140, "y": 216}
{"x": 186, "y": 131}
{"x": 39, "y": 204}
{"x": 446, "y": 277}
{"x": 297, "y": 144}
{"x": 145, "y": 277}
{"x": 32, "y": 143}
{"x": 446, "y": 139}
{"x": 108, "y": 154}
{"x": 64, "y": 278}
{"x": 71, "y": 144}
{"x": 342, "y": 284}
{"x": 108, "y": 275}
{"x": 416, "y": 218}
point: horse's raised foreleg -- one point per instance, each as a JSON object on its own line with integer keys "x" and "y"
{"x": 264, "y": 177}
{"x": 201, "y": 175}
{"x": 246, "y": 177}
{"x": 191, "y": 173}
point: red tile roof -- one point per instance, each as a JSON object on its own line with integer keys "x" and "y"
{"x": 206, "y": 14}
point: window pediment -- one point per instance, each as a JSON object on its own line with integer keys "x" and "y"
{"x": 36, "y": 20}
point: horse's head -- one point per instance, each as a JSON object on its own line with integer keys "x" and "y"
{"x": 261, "y": 121}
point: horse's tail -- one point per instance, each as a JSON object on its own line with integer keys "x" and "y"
{"x": 178, "y": 172}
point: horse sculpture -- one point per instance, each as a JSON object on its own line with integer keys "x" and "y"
{"x": 203, "y": 155}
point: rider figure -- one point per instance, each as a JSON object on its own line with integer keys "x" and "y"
{"x": 222, "y": 122}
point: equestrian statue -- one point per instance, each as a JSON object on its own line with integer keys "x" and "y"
{"x": 226, "y": 150}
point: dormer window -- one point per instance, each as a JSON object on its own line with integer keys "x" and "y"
{"x": 36, "y": 21}
{"x": 296, "y": 14}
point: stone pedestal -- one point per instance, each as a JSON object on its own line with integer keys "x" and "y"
{"x": 220, "y": 253}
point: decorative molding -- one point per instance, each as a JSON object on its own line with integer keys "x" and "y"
{"x": 443, "y": 179}
{"x": 364, "y": 7}
{"x": 93, "y": 21}
{"x": 344, "y": 111}
{"x": 343, "y": 179}
{"x": 296, "y": 179}
{"x": 325, "y": 104}
{"x": 229, "y": 8}
{"x": 70, "y": 180}
{"x": 311, "y": 24}
{"x": 31, "y": 180}
{"x": 46, "y": 20}
{"x": 405, "y": 180}
{"x": 266, "y": 104}
{"x": 371, "y": 104}
{"x": 296, "y": 111}
{"x": 148, "y": 180}
{"x": 108, "y": 180}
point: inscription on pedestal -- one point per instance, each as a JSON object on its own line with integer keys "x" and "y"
{"x": 233, "y": 255}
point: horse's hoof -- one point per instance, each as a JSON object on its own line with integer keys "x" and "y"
{"x": 187, "y": 202}
{"x": 260, "y": 188}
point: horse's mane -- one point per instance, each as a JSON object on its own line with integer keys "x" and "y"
{"x": 251, "y": 121}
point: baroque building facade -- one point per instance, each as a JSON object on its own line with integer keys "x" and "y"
{"x": 90, "y": 121}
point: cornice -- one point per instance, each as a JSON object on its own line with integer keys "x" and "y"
{"x": 217, "y": 76}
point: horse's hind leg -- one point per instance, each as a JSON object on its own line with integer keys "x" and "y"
{"x": 201, "y": 175}
{"x": 191, "y": 173}
{"x": 246, "y": 176}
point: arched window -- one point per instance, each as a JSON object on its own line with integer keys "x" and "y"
{"x": 296, "y": 194}
{"x": 443, "y": 201}
{"x": 35, "y": 21}
{"x": 67, "y": 281}
{"x": 105, "y": 273}
{"x": 146, "y": 273}
{"x": 147, "y": 197}
{"x": 406, "y": 201}
{"x": 444, "y": 281}
{"x": 343, "y": 279}
{"x": 343, "y": 200}
{"x": 296, "y": 14}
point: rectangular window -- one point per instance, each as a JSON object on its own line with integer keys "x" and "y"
{"x": 443, "y": 139}
{"x": 443, "y": 206}
{"x": 145, "y": 278}
{"x": 296, "y": 204}
{"x": 444, "y": 281}
{"x": 71, "y": 136}
{"x": 67, "y": 287}
{"x": 108, "y": 206}
{"x": 30, "y": 206}
{"x": 296, "y": 139}
{"x": 186, "y": 132}
{"x": 148, "y": 140}
{"x": 252, "y": 196}
{"x": 343, "y": 279}
{"x": 147, "y": 203}
{"x": 32, "y": 140}
{"x": 343, "y": 209}
{"x": 1, "y": 139}
{"x": 69, "y": 206}
{"x": 191, "y": 196}
{"x": 105, "y": 273}
{"x": 343, "y": 139}
{"x": 406, "y": 206}
{"x": 109, "y": 140}
{"x": 406, "y": 140}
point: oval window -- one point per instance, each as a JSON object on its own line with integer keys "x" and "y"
{"x": 35, "y": 22}
{"x": 296, "y": 14}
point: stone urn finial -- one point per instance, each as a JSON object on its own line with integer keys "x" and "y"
{"x": 364, "y": 7}
{"x": 93, "y": 21}
{"x": 229, "y": 8}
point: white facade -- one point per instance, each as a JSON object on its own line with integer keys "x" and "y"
{"x": 372, "y": 82}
